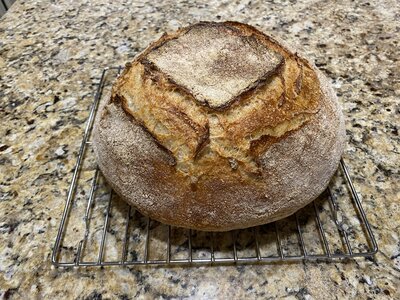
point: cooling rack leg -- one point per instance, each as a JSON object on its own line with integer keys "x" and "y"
{"x": 212, "y": 247}
{"x": 86, "y": 218}
{"x": 234, "y": 238}
{"x": 321, "y": 230}
{"x": 169, "y": 245}
{"x": 278, "y": 241}
{"x": 146, "y": 245}
{"x": 190, "y": 246}
{"x": 359, "y": 207}
{"x": 126, "y": 236}
{"x": 334, "y": 207}
{"x": 105, "y": 228}
{"x": 258, "y": 251}
{"x": 300, "y": 236}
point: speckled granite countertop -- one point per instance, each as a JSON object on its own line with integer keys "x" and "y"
{"x": 51, "y": 56}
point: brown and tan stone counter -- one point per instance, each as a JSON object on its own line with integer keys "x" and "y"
{"x": 51, "y": 57}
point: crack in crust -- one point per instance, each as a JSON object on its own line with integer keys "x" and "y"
{"x": 122, "y": 101}
{"x": 153, "y": 72}
{"x": 204, "y": 141}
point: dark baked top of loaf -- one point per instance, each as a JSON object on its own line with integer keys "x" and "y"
{"x": 215, "y": 63}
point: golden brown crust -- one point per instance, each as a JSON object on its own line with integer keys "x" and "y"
{"x": 220, "y": 167}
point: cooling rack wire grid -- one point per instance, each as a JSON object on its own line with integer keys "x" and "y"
{"x": 98, "y": 229}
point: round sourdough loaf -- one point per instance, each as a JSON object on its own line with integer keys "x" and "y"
{"x": 219, "y": 126}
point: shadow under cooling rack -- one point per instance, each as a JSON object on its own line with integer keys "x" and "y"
{"x": 98, "y": 229}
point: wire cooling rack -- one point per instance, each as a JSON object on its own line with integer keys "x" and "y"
{"x": 98, "y": 229}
